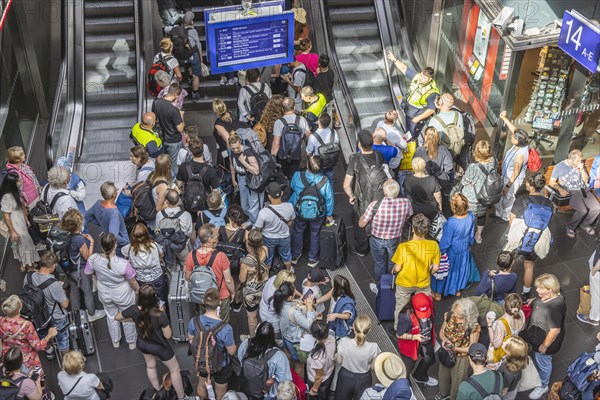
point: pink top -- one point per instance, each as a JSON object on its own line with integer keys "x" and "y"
{"x": 311, "y": 60}
{"x": 30, "y": 188}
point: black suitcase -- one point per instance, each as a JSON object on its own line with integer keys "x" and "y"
{"x": 80, "y": 332}
{"x": 332, "y": 244}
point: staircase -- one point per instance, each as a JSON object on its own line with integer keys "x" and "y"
{"x": 110, "y": 77}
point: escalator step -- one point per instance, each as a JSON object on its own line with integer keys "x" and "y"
{"x": 109, "y": 8}
{"x": 355, "y": 29}
{"x": 360, "y": 45}
{"x": 360, "y": 79}
{"x": 361, "y": 62}
{"x": 371, "y": 94}
{"x": 366, "y": 13}
{"x": 102, "y": 59}
{"x": 123, "y": 109}
{"x": 109, "y": 93}
{"x": 104, "y": 25}
{"x": 351, "y": 3}
{"x": 108, "y": 41}
{"x": 113, "y": 77}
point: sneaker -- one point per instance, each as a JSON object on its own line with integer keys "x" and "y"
{"x": 223, "y": 80}
{"x": 232, "y": 81}
{"x": 116, "y": 344}
{"x": 312, "y": 263}
{"x": 440, "y": 396}
{"x": 236, "y": 307}
{"x": 99, "y": 314}
{"x": 431, "y": 381}
{"x": 586, "y": 320}
{"x": 243, "y": 337}
{"x": 196, "y": 98}
{"x": 132, "y": 346}
{"x": 292, "y": 270}
{"x": 538, "y": 392}
{"x": 295, "y": 260}
{"x": 50, "y": 354}
{"x": 373, "y": 288}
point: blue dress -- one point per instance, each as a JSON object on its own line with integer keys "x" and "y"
{"x": 457, "y": 238}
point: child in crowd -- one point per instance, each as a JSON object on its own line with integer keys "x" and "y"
{"x": 311, "y": 286}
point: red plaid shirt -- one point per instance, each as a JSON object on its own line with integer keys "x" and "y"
{"x": 390, "y": 217}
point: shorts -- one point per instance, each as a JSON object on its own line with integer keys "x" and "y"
{"x": 283, "y": 247}
{"x": 164, "y": 353}
{"x": 223, "y": 376}
{"x": 195, "y": 64}
{"x": 530, "y": 257}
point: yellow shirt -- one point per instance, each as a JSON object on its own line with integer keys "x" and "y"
{"x": 415, "y": 257}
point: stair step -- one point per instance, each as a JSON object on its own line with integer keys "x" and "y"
{"x": 358, "y": 13}
{"x": 355, "y": 29}
{"x": 96, "y": 77}
{"x": 111, "y": 24}
{"x": 109, "y": 8}
{"x": 126, "y": 109}
{"x": 361, "y": 62}
{"x": 368, "y": 45}
{"x": 110, "y": 41}
{"x": 360, "y": 79}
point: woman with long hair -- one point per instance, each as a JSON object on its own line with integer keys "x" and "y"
{"x": 262, "y": 344}
{"x": 144, "y": 165}
{"x": 117, "y": 287}
{"x": 254, "y": 273}
{"x": 320, "y": 364}
{"x": 232, "y": 242}
{"x": 507, "y": 326}
{"x": 304, "y": 55}
{"x": 145, "y": 257}
{"x": 162, "y": 180}
{"x": 342, "y": 309}
{"x": 266, "y": 309}
{"x": 355, "y": 357}
{"x": 14, "y": 210}
{"x": 512, "y": 365}
{"x": 272, "y": 112}
{"x": 224, "y": 124}
{"x": 153, "y": 336}
{"x": 29, "y": 388}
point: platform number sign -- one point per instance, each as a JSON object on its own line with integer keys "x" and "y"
{"x": 580, "y": 39}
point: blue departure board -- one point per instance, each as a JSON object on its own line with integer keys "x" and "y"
{"x": 251, "y": 42}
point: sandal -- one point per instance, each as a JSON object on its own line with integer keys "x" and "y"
{"x": 23, "y": 268}
{"x": 589, "y": 230}
{"x": 571, "y": 233}
{"x": 437, "y": 297}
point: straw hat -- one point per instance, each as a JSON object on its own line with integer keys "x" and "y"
{"x": 388, "y": 368}
{"x": 300, "y": 15}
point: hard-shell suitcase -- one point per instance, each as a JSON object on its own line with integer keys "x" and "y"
{"x": 385, "y": 302}
{"x": 179, "y": 306}
{"x": 80, "y": 332}
{"x": 332, "y": 244}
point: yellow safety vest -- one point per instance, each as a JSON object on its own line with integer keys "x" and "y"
{"x": 143, "y": 136}
{"x": 317, "y": 106}
{"x": 418, "y": 94}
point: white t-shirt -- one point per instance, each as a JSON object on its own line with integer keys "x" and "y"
{"x": 357, "y": 359}
{"x": 272, "y": 226}
{"x": 182, "y": 156}
{"x": 144, "y": 172}
{"x": 84, "y": 389}
{"x": 316, "y": 292}
{"x": 312, "y": 145}
{"x": 63, "y": 204}
{"x": 324, "y": 360}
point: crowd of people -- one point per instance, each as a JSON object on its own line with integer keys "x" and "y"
{"x": 235, "y": 221}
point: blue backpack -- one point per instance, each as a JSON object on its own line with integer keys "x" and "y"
{"x": 594, "y": 171}
{"x": 216, "y": 220}
{"x": 343, "y": 327}
{"x": 579, "y": 371}
{"x": 310, "y": 202}
{"x": 537, "y": 217}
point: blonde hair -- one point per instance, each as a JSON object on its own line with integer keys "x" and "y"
{"x": 72, "y": 221}
{"x": 459, "y": 204}
{"x": 15, "y": 154}
{"x": 418, "y": 164}
{"x": 284, "y": 276}
{"x": 73, "y": 362}
{"x": 482, "y": 151}
{"x": 391, "y": 188}
{"x": 575, "y": 155}
{"x": 220, "y": 109}
{"x": 11, "y": 307}
{"x": 166, "y": 45}
{"x": 162, "y": 169}
{"x": 391, "y": 117}
{"x": 516, "y": 354}
{"x": 362, "y": 326}
{"x": 214, "y": 201}
{"x": 549, "y": 282}
{"x": 432, "y": 140}
{"x": 307, "y": 91}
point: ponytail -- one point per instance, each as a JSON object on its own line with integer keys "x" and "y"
{"x": 513, "y": 304}
{"x": 108, "y": 244}
{"x": 362, "y": 326}
{"x": 282, "y": 294}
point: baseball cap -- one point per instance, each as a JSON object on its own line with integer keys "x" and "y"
{"x": 422, "y": 305}
{"x": 477, "y": 351}
{"x": 188, "y": 18}
{"x": 316, "y": 275}
{"x": 274, "y": 190}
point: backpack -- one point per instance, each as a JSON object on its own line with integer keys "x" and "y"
{"x": 468, "y": 125}
{"x": 491, "y": 190}
{"x": 202, "y": 278}
{"x": 258, "y": 101}
{"x": 9, "y": 388}
{"x": 454, "y": 135}
{"x": 496, "y": 393}
{"x": 536, "y": 217}
{"x": 371, "y": 188}
{"x": 58, "y": 241}
{"x": 309, "y": 77}
{"x": 343, "y": 327}
{"x": 43, "y": 214}
{"x": 568, "y": 390}
{"x": 233, "y": 247}
{"x": 194, "y": 195}
{"x": 291, "y": 140}
{"x": 207, "y": 355}
{"x": 182, "y": 50}
{"x": 329, "y": 152}
{"x": 143, "y": 201}
{"x": 251, "y": 139}
{"x": 268, "y": 168}
{"x": 534, "y": 162}
{"x": 255, "y": 373}
{"x": 34, "y": 302}
{"x": 310, "y": 204}
{"x": 217, "y": 220}
{"x": 170, "y": 229}
{"x": 581, "y": 371}
{"x": 161, "y": 65}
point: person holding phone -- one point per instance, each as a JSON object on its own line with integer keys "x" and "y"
{"x": 570, "y": 177}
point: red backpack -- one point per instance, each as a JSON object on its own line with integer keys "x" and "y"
{"x": 534, "y": 162}
{"x": 152, "y": 85}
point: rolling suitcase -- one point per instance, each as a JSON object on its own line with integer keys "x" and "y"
{"x": 80, "y": 332}
{"x": 179, "y": 306}
{"x": 332, "y": 244}
{"x": 385, "y": 302}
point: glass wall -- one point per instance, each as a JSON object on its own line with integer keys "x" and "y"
{"x": 418, "y": 19}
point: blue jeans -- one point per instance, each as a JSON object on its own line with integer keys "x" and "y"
{"x": 589, "y": 393}
{"x": 172, "y": 150}
{"x": 62, "y": 338}
{"x": 329, "y": 174}
{"x": 283, "y": 247}
{"x": 251, "y": 201}
{"x": 298, "y": 237}
{"x": 543, "y": 363}
{"x": 382, "y": 251}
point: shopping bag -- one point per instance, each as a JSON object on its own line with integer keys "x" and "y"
{"x": 585, "y": 300}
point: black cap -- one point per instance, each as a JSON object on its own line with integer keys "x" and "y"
{"x": 477, "y": 351}
{"x": 274, "y": 190}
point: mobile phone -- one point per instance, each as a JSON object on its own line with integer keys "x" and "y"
{"x": 309, "y": 292}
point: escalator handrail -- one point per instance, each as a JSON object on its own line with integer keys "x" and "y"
{"x": 399, "y": 13}
{"x": 62, "y": 74}
{"x": 141, "y": 62}
{"x": 341, "y": 81}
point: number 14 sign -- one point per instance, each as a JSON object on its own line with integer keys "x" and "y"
{"x": 580, "y": 39}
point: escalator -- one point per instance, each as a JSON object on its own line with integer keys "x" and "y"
{"x": 357, "y": 41}
{"x": 111, "y": 81}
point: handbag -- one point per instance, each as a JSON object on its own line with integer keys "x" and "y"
{"x": 530, "y": 378}
{"x": 585, "y": 300}
{"x": 444, "y": 268}
{"x": 447, "y": 357}
{"x": 107, "y": 384}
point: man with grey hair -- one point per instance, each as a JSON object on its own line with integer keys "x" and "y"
{"x": 387, "y": 217}
{"x": 288, "y": 132}
{"x": 143, "y": 134}
{"x": 56, "y": 193}
{"x": 107, "y": 216}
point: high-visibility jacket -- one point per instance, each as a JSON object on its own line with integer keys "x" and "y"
{"x": 146, "y": 138}
{"x": 418, "y": 94}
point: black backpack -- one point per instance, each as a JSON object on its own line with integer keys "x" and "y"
{"x": 370, "y": 187}
{"x": 59, "y": 241}
{"x": 43, "y": 214}
{"x": 329, "y": 152}
{"x": 143, "y": 201}
{"x": 258, "y": 101}
{"x": 568, "y": 390}
{"x": 195, "y": 196}
{"x": 491, "y": 190}
{"x": 9, "y": 388}
{"x": 291, "y": 140}
{"x": 182, "y": 50}
{"x": 255, "y": 373}
{"x": 208, "y": 358}
{"x": 234, "y": 247}
{"x": 310, "y": 204}
{"x": 268, "y": 170}
{"x": 34, "y": 303}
